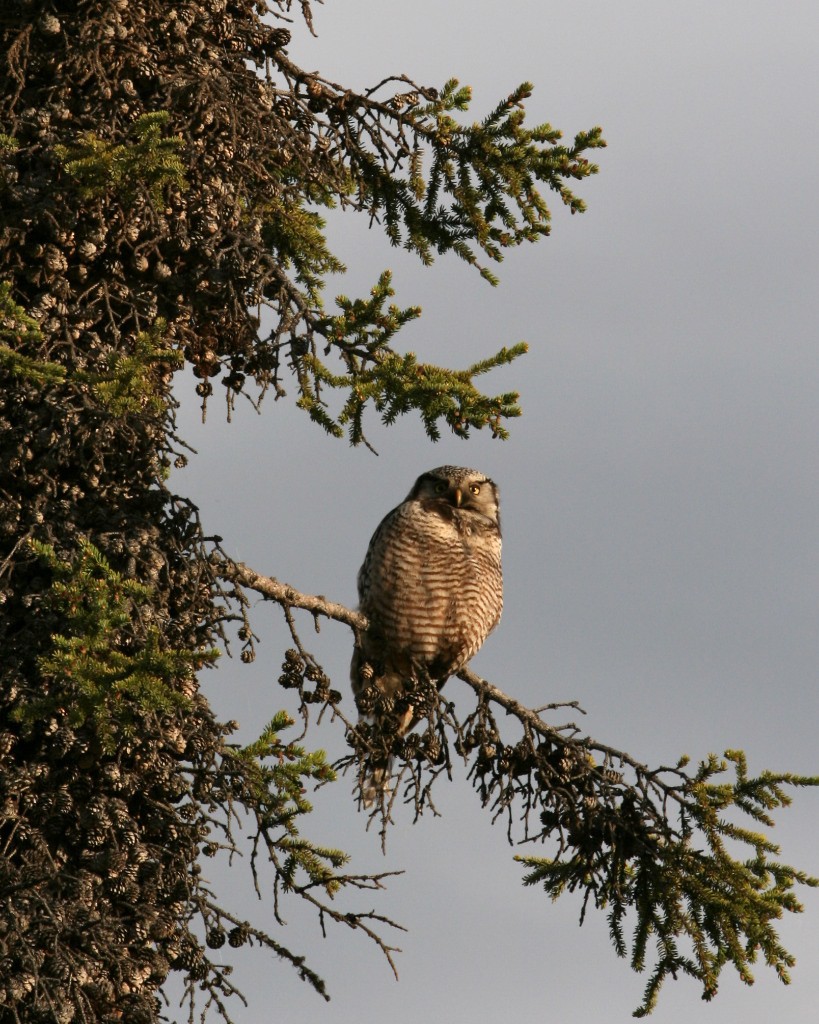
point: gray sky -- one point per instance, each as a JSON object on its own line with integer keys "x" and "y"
{"x": 659, "y": 493}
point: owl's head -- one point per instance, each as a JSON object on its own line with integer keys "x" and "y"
{"x": 461, "y": 488}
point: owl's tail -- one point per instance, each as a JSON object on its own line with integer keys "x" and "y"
{"x": 375, "y": 785}
{"x": 376, "y": 768}
{"x": 381, "y": 729}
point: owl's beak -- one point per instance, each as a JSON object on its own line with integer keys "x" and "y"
{"x": 459, "y": 497}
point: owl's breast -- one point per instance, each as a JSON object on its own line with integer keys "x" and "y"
{"x": 431, "y": 585}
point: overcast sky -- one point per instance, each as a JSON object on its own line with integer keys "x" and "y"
{"x": 659, "y": 495}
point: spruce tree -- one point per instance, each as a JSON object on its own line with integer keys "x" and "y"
{"x": 162, "y": 169}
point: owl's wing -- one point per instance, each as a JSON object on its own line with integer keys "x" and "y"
{"x": 375, "y": 552}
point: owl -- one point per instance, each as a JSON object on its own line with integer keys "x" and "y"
{"x": 432, "y": 590}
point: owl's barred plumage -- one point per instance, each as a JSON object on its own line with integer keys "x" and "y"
{"x": 431, "y": 588}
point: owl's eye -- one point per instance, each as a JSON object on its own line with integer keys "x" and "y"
{"x": 441, "y": 486}
{"x": 475, "y": 488}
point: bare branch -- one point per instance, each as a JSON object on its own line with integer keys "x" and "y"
{"x": 288, "y": 597}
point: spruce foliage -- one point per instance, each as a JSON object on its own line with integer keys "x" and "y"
{"x": 697, "y": 902}
{"x": 162, "y": 171}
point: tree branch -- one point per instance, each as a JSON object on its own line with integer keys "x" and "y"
{"x": 288, "y": 597}
{"x": 630, "y": 838}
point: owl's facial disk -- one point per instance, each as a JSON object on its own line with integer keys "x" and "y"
{"x": 471, "y": 492}
{"x": 461, "y": 495}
